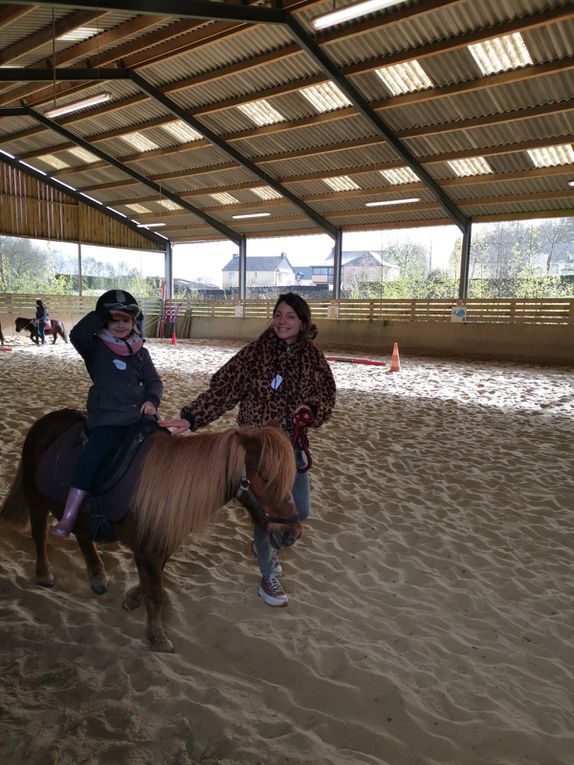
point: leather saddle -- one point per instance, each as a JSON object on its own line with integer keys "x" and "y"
{"x": 122, "y": 455}
{"x": 114, "y": 484}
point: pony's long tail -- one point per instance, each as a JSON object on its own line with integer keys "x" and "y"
{"x": 15, "y": 509}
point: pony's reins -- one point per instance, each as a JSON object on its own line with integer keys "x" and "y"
{"x": 299, "y": 438}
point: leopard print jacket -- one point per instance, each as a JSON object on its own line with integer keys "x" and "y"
{"x": 269, "y": 380}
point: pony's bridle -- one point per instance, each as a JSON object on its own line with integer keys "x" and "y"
{"x": 248, "y": 499}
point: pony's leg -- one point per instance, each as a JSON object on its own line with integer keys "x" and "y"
{"x": 133, "y": 598}
{"x": 39, "y": 522}
{"x": 150, "y": 569}
{"x": 94, "y": 565}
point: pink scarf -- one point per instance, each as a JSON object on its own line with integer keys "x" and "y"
{"x": 123, "y": 347}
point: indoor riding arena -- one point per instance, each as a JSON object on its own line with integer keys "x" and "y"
{"x": 430, "y": 617}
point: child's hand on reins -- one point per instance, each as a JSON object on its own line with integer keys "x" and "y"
{"x": 148, "y": 408}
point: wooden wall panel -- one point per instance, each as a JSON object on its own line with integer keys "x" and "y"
{"x": 35, "y": 210}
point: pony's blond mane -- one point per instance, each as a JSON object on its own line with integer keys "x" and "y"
{"x": 184, "y": 480}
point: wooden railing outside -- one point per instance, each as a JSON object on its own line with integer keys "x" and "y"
{"x": 500, "y": 311}
{"x": 553, "y": 311}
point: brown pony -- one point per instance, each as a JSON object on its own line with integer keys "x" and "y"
{"x": 180, "y": 483}
{"x": 29, "y": 325}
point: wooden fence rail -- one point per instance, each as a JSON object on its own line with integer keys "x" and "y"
{"x": 551, "y": 311}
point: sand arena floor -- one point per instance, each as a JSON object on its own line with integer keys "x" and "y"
{"x": 430, "y": 618}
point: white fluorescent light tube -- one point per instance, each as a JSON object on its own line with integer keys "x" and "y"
{"x": 6, "y": 154}
{"x": 97, "y": 201}
{"x": 251, "y": 215}
{"x": 99, "y": 99}
{"x": 393, "y": 202}
{"x": 351, "y": 12}
{"x": 149, "y": 225}
{"x": 63, "y": 183}
{"x": 21, "y": 161}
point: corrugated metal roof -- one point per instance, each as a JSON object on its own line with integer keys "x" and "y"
{"x": 208, "y": 68}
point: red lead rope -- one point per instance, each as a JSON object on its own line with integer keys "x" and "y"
{"x": 299, "y": 437}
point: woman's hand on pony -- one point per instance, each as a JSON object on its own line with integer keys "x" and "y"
{"x": 176, "y": 426}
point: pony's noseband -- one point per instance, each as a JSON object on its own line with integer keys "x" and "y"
{"x": 248, "y": 499}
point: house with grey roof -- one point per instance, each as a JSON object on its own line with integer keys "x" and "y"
{"x": 272, "y": 271}
{"x": 357, "y": 266}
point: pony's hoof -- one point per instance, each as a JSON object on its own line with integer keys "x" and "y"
{"x": 132, "y": 600}
{"x": 46, "y": 580}
{"x": 44, "y": 576}
{"x": 161, "y": 644}
{"x": 99, "y": 583}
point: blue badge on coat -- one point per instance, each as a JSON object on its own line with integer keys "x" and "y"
{"x": 276, "y": 382}
{"x": 119, "y": 364}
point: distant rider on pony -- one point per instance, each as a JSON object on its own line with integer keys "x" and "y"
{"x": 40, "y": 320}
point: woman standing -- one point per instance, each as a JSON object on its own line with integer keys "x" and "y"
{"x": 279, "y": 378}
{"x": 41, "y": 319}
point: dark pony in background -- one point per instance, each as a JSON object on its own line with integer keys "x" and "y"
{"x": 29, "y": 325}
{"x": 175, "y": 488}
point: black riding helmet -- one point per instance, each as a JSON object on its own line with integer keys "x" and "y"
{"x": 117, "y": 300}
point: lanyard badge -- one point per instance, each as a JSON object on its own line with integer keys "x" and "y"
{"x": 276, "y": 382}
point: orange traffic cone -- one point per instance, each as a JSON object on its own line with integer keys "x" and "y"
{"x": 395, "y": 360}
{"x": 173, "y": 338}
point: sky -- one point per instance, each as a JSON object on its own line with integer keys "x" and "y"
{"x": 205, "y": 261}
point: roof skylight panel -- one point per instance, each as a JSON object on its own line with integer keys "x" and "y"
{"x": 501, "y": 54}
{"x": 325, "y": 97}
{"x": 405, "y": 78}
{"x": 182, "y": 132}
{"x": 53, "y": 161}
{"x": 83, "y": 154}
{"x": 169, "y": 205}
{"x": 341, "y": 183}
{"x": 472, "y": 166}
{"x": 137, "y": 208}
{"x": 139, "y": 141}
{"x": 225, "y": 199}
{"x": 398, "y": 175}
{"x": 79, "y": 34}
{"x": 552, "y": 156}
{"x": 261, "y": 112}
{"x": 266, "y": 193}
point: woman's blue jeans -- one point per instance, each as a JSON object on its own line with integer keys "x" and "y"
{"x": 302, "y": 497}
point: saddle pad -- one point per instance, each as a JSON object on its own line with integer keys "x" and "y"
{"x": 56, "y": 467}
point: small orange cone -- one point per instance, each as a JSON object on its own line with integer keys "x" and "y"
{"x": 395, "y": 360}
